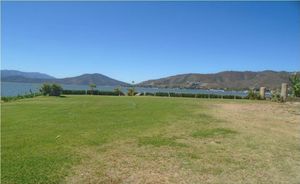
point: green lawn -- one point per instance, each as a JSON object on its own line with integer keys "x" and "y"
{"x": 98, "y": 139}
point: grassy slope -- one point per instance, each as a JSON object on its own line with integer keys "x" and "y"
{"x": 92, "y": 139}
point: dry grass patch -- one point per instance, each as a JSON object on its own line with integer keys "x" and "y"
{"x": 221, "y": 142}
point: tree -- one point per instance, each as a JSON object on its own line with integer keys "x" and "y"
{"x": 45, "y": 89}
{"x": 92, "y": 86}
{"x": 118, "y": 91}
{"x": 295, "y": 81}
{"x": 130, "y": 92}
{"x": 51, "y": 90}
{"x": 56, "y": 90}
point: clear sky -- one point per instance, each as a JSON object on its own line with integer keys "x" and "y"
{"x": 147, "y": 40}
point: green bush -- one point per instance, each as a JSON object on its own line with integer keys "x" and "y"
{"x": 252, "y": 95}
{"x": 295, "y": 81}
{"x": 45, "y": 89}
{"x": 118, "y": 91}
{"x": 51, "y": 89}
{"x": 55, "y": 90}
{"x": 276, "y": 97}
{"x": 131, "y": 92}
{"x": 92, "y": 87}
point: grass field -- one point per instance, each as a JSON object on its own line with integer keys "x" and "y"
{"x": 97, "y": 139}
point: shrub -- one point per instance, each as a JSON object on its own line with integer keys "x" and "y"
{"x": 56, "y": 90}
{"x": 252, "y": 95}
{"x": 51, "y": 90}
{"x": 131, "y": 92}
{"x": 276, "y": 97}
{"x": 118, "y": 91}
{"x": 45, "y": 89}
{"x": 92, "y": 87}
{"x": 295, "y": 81}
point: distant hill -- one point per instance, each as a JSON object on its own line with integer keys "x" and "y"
{"x": 84, "y": 79}
{"x": 95, "y": 78}
{"x": 31, "y": 75}
{"x": 223, "y": 80}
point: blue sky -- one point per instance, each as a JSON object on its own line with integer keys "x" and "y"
{"x": 146, "y": 40}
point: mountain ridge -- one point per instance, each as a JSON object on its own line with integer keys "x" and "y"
{"x": 222, "y": 80}
{"x": 237, "y": 80}
{"x": 84, "y": 79}
{"x": 32, "y": 75}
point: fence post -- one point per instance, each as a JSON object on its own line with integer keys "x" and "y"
{"x": 262, "y": 92}
{"x": 283, "y": 93}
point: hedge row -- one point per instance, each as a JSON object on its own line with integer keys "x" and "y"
{"x": 162, "y": 94}
{"x": 91, "y": 92}
{"x": 13, "y": 98}
{"x": 189, "y": 95}
{"x": 74, "y": 92}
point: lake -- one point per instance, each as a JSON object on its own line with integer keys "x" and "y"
{"x": 15, "y": 88}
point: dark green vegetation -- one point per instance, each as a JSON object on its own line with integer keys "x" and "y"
{"x": 51, "y": 90}
{"x": 131, "y": 92}
{"x": 92, "y": 92}
{"x": 295, "y": 82}
{"x": 102, "y": 139}
{"x": 252, "y": 95}
{"x": 223, "y": 80}
{"x": 13, "y": 98}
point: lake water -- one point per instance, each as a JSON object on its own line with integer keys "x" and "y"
{"x": 15, "y": 88}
